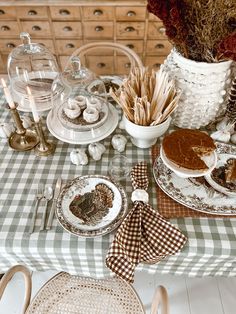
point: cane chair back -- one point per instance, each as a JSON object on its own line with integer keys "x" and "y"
{"x": 67, "y": 294}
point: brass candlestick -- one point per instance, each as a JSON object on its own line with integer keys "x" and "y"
{"x": 44, "y": 148}
{"x": 22, "y": 139}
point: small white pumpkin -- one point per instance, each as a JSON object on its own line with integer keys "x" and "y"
{"x": 233, "y": 138}
{"x": 90, "y": 115}
{"x": 79, "y": 157}
{"x": 81, "y": 101}
{"x": 72, "y": 110}
{"x": 26, "y": 121}
{"x": 222, "y": 136}
{"x": 94, "y": 103}
{"x": 96, "y": 150}
{"x": 6, "y": 129}
{"x": 118, "y": 142}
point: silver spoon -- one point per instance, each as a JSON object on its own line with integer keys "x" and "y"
{"x": 47, "y": 196}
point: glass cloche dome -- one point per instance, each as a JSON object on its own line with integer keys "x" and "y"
{"x": 81, "y": 114}
{"x": 32, "y": 64}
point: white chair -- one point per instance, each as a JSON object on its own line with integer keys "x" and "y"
{"x": 66, "y": 294}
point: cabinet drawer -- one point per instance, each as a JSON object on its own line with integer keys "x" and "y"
{"x": 156, "y": 30}
{"x": 130, "y": 30}
{"x": 32, "y": 12}
{"x": 122, "y": 65}
{"x": 136, "y": 45}
{"x": 47, "y": 43}
{"x": 154, "y": 62}
{"x": 65, "y": 13}
{"x": 158, "y": 47}
{"x": 7, "y": 13}
{"x": 9, "y": 28}
{"x": 130, "y": 13}
{"x": 98, "y": 13}
{"x": 6, "y": 45}
{"x": 68, "y": 46}
{"x": 98, "y": 30}
{"x": 67, "y": 29}
{"x": 36, "y": 28}
{"x": 100, "y": 65}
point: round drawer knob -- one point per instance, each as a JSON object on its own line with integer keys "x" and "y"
{"x": 101, "y": 65}
{"x": 131, "y": 13}
{"x": 36, "y": 28}
{"x": 2, "y": 12}
{"x": 156, "y": 65}
{"x": 70, "y": 45}
{"x": 64, "y": 12}
{"x": 130, "y": 46}
{"x": 127, "y": 65}
{"x": 162, "y": 30}
{"x": 99, "y": 28}
{"x": 10, "y": 45}
{"x": 67, "y": 29}
{"x": 32, "y": 12}
{"x": 97, "y": 12}
{"x": 129, "y": 29}
{"x": 159, "y": 46}
{"x": 5, "y": 28}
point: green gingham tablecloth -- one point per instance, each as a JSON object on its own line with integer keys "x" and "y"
{"x": 211, "y": 247}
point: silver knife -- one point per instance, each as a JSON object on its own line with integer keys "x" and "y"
{"x": 54, "y": 202}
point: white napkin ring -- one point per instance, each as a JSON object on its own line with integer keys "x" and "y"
{"x": 140, "y": 195}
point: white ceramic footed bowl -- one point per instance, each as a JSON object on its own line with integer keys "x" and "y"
{"x": 145, "y": 136}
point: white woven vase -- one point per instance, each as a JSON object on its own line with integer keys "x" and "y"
{"x": 203, "y": 88}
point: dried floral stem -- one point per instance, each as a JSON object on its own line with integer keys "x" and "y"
{"x": 147, "y": 98}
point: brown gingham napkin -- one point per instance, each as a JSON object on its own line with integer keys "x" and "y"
{"x": 144, "y": 235}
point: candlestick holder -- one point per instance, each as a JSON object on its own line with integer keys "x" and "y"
{"x": 22, "y": 139}
{"x": 44, "y": 148}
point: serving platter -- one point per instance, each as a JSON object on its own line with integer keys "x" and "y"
{"x": 91, "y": 206}
{"x": 192, "y": 194}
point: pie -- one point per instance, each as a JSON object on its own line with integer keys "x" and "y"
{"x": 186, "y": 147}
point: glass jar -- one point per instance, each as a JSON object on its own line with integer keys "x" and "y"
{"x": 33, "y": 65}
{"x": 81, "y": 113}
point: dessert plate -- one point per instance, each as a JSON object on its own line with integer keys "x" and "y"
{"x": 195, "y": 195}
{"x": 219, "y": 185}
{"x": 210, "y": 160}
{"x": 83, "y": 137}
{"x": 91, "y": 205}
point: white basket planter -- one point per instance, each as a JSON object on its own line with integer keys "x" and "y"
{"x": 203, "y": 88}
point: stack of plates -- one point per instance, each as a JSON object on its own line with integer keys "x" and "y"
{"x": 40, "y": 84}
{"x": 93, "y": 220}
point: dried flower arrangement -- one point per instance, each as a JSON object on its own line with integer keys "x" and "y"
{"x": 201, "y": 30}
{"x": 147, "y": 97}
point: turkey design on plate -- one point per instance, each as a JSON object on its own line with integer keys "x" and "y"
{"x": 91, "y": 205}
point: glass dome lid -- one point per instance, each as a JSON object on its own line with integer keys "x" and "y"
{"x": 32, "y": 64}
{"x": 81, "y": 113}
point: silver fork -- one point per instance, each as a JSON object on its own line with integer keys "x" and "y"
{"x": 39, "y": 196}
